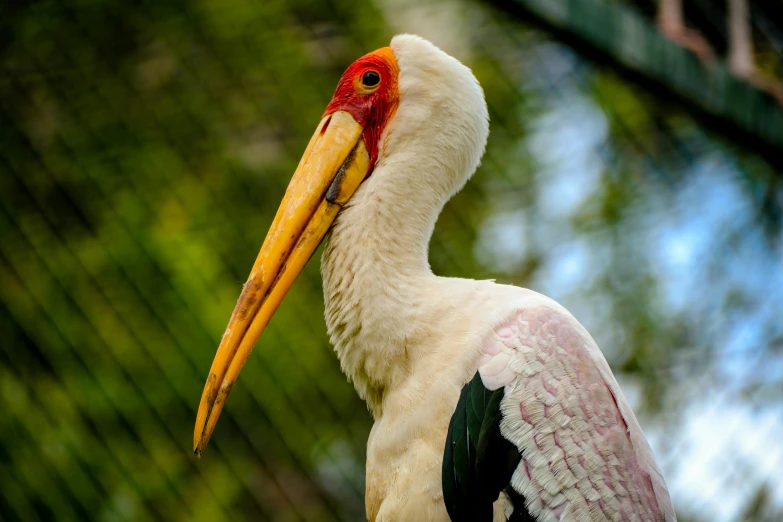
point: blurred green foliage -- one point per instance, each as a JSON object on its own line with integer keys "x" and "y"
{"x": 144, "y": 148}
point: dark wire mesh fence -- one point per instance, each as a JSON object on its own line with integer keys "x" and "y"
{"x": 144, "y": 148}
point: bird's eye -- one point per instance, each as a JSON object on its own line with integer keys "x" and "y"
{"x": 371, "y": 78}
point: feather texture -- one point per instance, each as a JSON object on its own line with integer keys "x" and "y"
{"x": 544, "y": 423}
{"x": 584, "y": 456}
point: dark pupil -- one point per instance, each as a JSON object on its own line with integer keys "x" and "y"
{"x": 371, "y": 78}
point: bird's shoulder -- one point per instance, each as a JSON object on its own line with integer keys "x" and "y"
{"x": 566, "y": 414}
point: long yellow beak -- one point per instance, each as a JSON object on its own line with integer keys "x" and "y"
{"x": 333, "y": 165}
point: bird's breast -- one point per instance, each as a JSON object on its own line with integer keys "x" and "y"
{"x": 405, "y": 451}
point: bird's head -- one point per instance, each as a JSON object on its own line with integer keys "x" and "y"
{"x": 410, "y": 100}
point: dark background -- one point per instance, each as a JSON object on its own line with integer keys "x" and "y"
{"x": 144, "y": 147}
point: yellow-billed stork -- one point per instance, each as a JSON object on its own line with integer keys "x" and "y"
{"x": 489, "y": 400}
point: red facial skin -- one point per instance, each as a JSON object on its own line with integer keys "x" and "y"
{"x": 371, "y": 107}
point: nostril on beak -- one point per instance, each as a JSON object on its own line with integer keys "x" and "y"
{"x": 326, "y": 125}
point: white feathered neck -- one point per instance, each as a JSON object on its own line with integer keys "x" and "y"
{"x": 376, "y": 275}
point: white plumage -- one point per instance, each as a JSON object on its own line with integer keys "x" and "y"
{"x": 409, "y": 339}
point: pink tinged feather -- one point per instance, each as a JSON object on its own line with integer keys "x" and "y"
{"x": 562, "y": 413}
{"x": 494, "y": 362}
{"x": 505, "y": 332}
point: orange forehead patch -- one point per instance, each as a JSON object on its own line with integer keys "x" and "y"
{"x": 371, "y": 106}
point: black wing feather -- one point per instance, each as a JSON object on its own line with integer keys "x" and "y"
{"x": 478, "y": 462}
